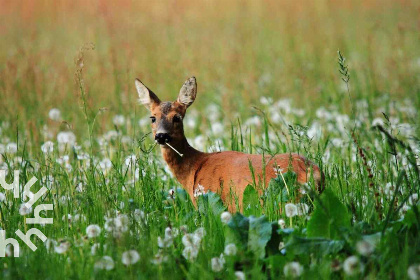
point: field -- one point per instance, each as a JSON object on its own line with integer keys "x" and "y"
{"x": 270, "y": 80}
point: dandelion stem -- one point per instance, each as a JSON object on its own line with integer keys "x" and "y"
{"x": 181, "y": 155}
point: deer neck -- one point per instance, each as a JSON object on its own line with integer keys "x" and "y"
{"x": 183, "y": 166}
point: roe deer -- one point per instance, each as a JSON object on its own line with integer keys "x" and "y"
{"x": 220, "y": 172}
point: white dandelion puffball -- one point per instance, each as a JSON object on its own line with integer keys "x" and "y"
{"x": 130, "y": 257}
{"x": 47, "y": 147}
{"x": 293, "y": 269}
{"x": 225, "y": 217}
{"x": 351, "y": 265}
{"x": 230, "y": 249}
{"x": 282, "y": 224}
{"x": 118, "y": 120}
{"x": 365, "y": 248}
{"x": 413, "y": 272}
{"x": 106, "y": 262}
{"x": 11, "y": 148}
{"x": 23, "y": 210}
{"x": 217, "y": 264}
{"x": 240, "y": 275}
{"x": 291, "y": 210}
{"x": 54, "y": 114}
{"x": 62, "y": 247}
{"x": 93, "y": 231}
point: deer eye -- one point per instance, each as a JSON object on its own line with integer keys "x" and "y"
{"x": 153, "y": 119}
{"x": 176, "y": 119}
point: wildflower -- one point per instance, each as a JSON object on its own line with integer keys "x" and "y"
{"x": 130, "y": 257}
{"x": 302, "y": 209}
{"x": 159, "y": 258}
{"x": 66, "y": 137}
{"x": 47, "y": 147}
{"x": 23, "y": 210}
{"x": 106, "y": 262}
{"x": 217, "y": 263}
{"x": 199, "y": 191}
{"x": 225, "y": 217}
{"x": 412, "y": 200}
{"x": 240, "y": 275}
{"x": 2, "y": 197}
{"x": 54, "y": 114}
{"x": 118, "y": 120}
{"x": 94, "y": 248}
{"x": 105, "y": 164}
{"x": 352, "y": 265}
{"x": 130, "y": 161}
{"x": 365, "y": 248}
{"x": 62, "y": 247}
{"x": 217, "y": 128}
{"x": 293, "y": 269}
{"x": 291, "y": 210}
{"x": 11, "y": 148}
{"x": 282, "y": 223}
{"x": 190, "y": 253}
{"x": 138, "y": 215}
{"x": 93, "y": 231}
{"x": 230, "y": 249}
{"x": 413, "y": 272}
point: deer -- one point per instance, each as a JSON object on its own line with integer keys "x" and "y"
{"x": 226, "y": 173}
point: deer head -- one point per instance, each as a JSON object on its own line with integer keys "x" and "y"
{"x": 167, "y": 117}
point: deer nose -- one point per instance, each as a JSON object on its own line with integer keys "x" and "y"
{"x": 162, "y": 138}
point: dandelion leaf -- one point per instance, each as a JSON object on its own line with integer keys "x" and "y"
{"x": 210, "y": 202}
{"x": 330, "y": 215}
{"x": 259, "y": 234}
{"x": 251, "y": 202}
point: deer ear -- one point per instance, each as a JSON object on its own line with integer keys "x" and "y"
{"x": 146, "y": 96}
{"x": 188, "y": 92}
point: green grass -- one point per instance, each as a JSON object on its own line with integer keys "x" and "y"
{"x": 268, "y": 82}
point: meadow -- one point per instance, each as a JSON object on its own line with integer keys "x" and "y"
{"x": 270, "y": 80}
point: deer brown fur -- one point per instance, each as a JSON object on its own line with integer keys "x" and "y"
{"x": 226, "y": 173}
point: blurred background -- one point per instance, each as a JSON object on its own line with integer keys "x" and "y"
{"x": 240, "y": 51}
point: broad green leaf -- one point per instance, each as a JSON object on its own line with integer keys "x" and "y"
{"x": 329, "y": 217}
{"x": 251, "y": 202}
{"x": 259, "y": 234}
{"x": 210, "y": 202}
{"x": 321, "y": 246}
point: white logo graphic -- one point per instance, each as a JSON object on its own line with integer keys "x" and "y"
{"x": 26, "y": 238}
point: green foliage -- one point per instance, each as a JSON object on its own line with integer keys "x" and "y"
{"x": 329, "y": 217}
{"x": 251, "y": 202}
{"x": 210, "y": 202}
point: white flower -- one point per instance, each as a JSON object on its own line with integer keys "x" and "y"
{"x": 12, "y": 148}
{"x": 130, "y": 257}
{"x": 293, "y": 269}
{"x": 130, "y": 161}
{"x": 62, "y": 247}
{"x": 365, "y": 248}
{"x": 191, "y": 240}
{"x": 94, "y": 248}
{"x": 47, "y": 147}
{"x": 352, "y": 265}
{"x": 23, "y": 210}
{"x": 217, "y": 128}
{"x": 118, "y": 120}
{"x": 93, "y": 231}
{"x": 412, "y": 200}
{"x": 54, "y": 114}
{"x": 159, "y": 258}
{"x": 240, "y": 275}
{"x": 282, "y": 224}
{"x": 200, "y": 232}
{"x": 2, "y": 197}
{"x": 230, "y": 249}
{"x": 302, "y": 209}
{"x": 139, "y": 215}
{"x": 413, "y": 272}
{"x": 66, "y": 137}
{"x": 105, "y": 164}
{"x": 106, "y": 262}
{"x": 190, "y": 253}
{"x": 225, "y": 217}
{"x": 199, "y": 191}
{"x": 217, "y": 263}
{"x": 291, "y": 210}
